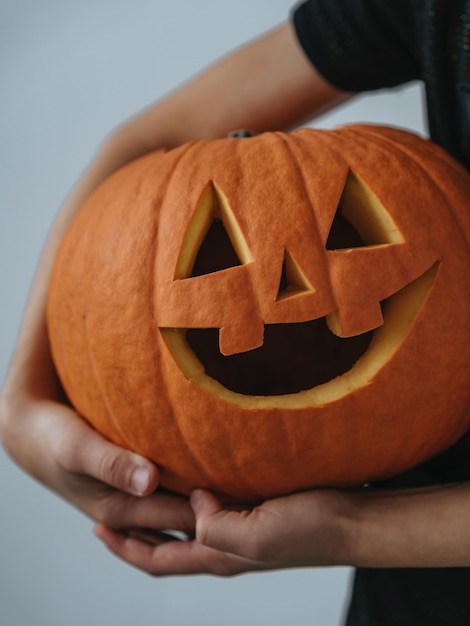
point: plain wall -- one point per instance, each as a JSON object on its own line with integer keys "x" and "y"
{"x": 69, "y": 72}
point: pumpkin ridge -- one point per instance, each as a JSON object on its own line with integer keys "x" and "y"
{"x": 183, "y": 151}
{"x": 293, "y": 159}
{"x": 123, "y": 440}
{"x": 323, "y": 137}
{"x": 140, "y": 175}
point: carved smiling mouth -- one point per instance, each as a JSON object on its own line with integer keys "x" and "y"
{"x": 299, "y": 364}
{"x": 293, "y": 358}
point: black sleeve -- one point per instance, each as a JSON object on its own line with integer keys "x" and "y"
{"x": 360, "y": 45}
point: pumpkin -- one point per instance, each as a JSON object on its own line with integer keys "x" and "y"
{"x": 270, "y": 314}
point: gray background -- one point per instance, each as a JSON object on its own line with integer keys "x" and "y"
{"x": 69, "y": 72}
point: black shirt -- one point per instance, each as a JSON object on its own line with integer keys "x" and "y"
{"x": 362, "y": 45}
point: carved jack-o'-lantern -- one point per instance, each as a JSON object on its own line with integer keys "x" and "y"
{"x": 270, "y": 314}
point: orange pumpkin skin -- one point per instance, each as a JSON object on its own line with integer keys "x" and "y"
{"x": 122, "y": 295}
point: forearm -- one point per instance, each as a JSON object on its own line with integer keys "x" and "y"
{"x": 428, "y": 527}
{"x": 265, "y": 85}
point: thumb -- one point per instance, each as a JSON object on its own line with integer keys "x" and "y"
{"x": 220, "y": 528}
{"x": 122, "y": 469}
{"x": 208, "y": 511}
{"x": 90, "y": 454}
{"x": 204, "y": 504}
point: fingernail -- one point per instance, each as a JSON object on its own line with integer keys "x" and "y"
{"x": 140, "y": 480}
{"x": 196, "y": 499}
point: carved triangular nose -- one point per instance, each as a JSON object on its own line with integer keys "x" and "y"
{"x": 293, "y": 280}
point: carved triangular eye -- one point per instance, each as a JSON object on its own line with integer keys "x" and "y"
{"x": 216, "y": 251}
{"x": 213, "y": 240}
{"x": 293, "y": 281}
{"x": 342, "y": 234}
{"x": 361, "y": 220}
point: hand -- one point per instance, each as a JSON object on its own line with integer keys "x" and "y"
{"x": 51, "y": 442}
{"x": 422, "y": 527}
{"x": 294, "y": 531}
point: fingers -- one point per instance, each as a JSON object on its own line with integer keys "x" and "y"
{"x": 157, "y": 512}
{"x": 143, "y": 541}
{"x": 84, "y": 451}
{"x": 143, "y": 555}
{"x": 155, "y": 537}
{"x": 226, "y": 541}
{"x": 170, "y": 557}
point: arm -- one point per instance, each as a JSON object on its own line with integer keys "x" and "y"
{"x": 410, "y": 528}
{"x": 266, "y": 84}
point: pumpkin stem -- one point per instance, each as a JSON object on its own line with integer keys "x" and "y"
{"x": 242, "y": 132}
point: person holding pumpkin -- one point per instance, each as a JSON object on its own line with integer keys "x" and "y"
{"x": 409, "y": 537}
